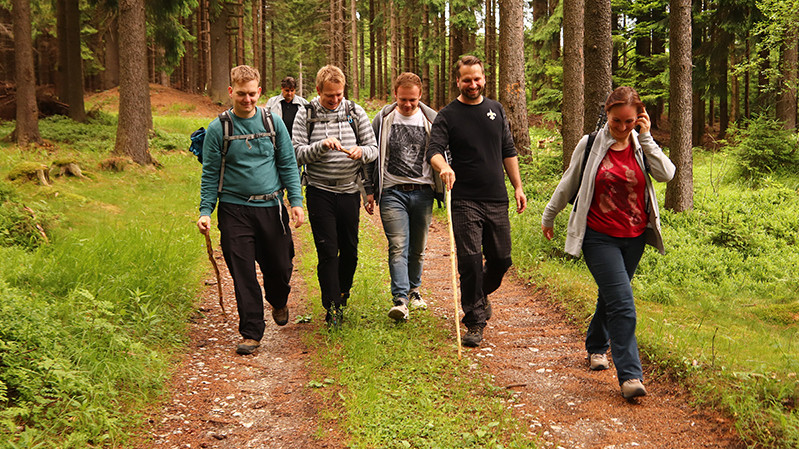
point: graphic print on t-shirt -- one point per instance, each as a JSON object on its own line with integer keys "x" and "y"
{"x": 405, "y": 150}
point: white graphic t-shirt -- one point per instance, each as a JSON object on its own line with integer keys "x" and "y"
{"x": 405, "y": 161}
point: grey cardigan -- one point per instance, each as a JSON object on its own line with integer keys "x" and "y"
{"x": 659, "y": 167}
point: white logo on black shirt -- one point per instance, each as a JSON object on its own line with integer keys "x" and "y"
{"x": 491, "y": 114}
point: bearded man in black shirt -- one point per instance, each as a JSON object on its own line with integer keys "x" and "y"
{"x": 477, "y": 133}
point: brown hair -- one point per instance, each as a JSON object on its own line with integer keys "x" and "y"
{"x": 329, "y": 74}
{"x": 624, "y": 96}
{"x": 467, "y": 60}
{"x": 407, "y": 79}
{"x": 244, "y": 74}
{"x": 288, "y": 83}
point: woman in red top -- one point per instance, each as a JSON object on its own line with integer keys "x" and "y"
{"x": 615, "y": 220}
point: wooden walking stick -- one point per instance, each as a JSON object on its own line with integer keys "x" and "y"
{"x": 454, "y": 263}
{"x": 210, "y": 249}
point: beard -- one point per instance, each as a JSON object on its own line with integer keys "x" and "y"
{"x": 472, "y": 94}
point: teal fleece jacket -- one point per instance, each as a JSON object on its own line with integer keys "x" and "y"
{"x": 259, "y": 170}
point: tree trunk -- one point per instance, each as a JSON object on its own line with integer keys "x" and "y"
{"x": 555, "y": 42}
{"x": 491, "y": 49}
{"x": 61, "y": 31}
{"x": 256, "y": 37}
{"x": 372, "y": 56}
{"x": 511, "y": 77}
{"x": 573, "y": 86}
{"x": 134, "y": 94}
{"x": 240, "y": 33}
{"x": 356, "y": 81}
{"x": 735, "y": 89}
{"x": 395, "y": 45}
{"x": 110, "y": 75}
{"x": 679, "y": 191}
{"x": 74, "y": 72}
{"x": 786, "y": 95}
{"x": 220, "y": 53}
{"x": 598, "y": 52}
{"x": 27, "y": 130}
{"x": 425, "y": 60}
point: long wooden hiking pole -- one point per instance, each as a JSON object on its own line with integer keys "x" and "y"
{"x": 210, "y": 249}
{"x": 454, "y": 263}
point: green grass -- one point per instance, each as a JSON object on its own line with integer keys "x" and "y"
{"x": 392, "y": 385}
{"x": 720, "y": 310}
{"x": 89, "y": 322}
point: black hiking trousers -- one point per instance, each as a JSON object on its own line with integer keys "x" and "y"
{"x": 257, "y": 234}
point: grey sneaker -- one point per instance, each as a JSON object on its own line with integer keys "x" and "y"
{"x": 247, "y": 346}
{"x": 416, "y": 301}
{"x": 632, "y": 388}
{"x": 473, "y": 337}
{"x": 598, "y": 362}
{"x": 398, "y": 312}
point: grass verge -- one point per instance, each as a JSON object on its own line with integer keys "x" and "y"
{"x": 391, "y": 385}
{"x": 90, "y": 320}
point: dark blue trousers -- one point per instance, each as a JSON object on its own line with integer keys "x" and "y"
{"x": 612, "y": 262}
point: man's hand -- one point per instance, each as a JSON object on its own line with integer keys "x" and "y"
{"x": 332, "y": 143}
{"x": 369, "y": 205}
{"x": 447, "y": 176}
{"x": 548, "y": 232}
{"x": 204, "y": 224}
{"x": 521, "y": 200}
{"x": 297, "y": 216}
{"x": 353, "y": 153}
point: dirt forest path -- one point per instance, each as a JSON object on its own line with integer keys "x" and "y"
{"x": 221, "y": 400}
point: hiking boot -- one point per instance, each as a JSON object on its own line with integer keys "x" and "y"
{"x": 632, "y": 388}
{"x": 281, "y": 316}
{"x": 416, "y": 301}
{"x": 598, "y": 362}
{"x": 473, "y": 337}
{"x": 489, "y": 311}
{"x": 247, "y": 346}
{"x": 399, "y": 313}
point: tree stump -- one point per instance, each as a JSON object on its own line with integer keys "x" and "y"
{"x": 32, "y": 171}
{"x": 66, "y": 167}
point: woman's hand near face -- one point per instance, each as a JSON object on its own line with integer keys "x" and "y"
{"x": 643, "y": 121}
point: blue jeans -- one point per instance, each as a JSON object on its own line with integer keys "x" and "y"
{"x": 612, "y": 262}
{"x": 406, "y": 218}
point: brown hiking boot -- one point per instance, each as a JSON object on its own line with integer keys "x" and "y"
{"x": 473, "y": 337}
{"x": 598, "y": 362}
{"x": 247, "y": 346}
{"x": 281, "y": 315}
{"x": 632, "y": 388}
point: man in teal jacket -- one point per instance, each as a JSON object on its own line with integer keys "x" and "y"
{"x": 252, "y": 218}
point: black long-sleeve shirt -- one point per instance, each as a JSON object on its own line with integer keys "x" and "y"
{"x": 479, "y": 139}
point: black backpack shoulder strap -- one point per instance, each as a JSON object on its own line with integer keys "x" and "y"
{"x": 310, "y": 119}
{"x": 352, "y": 118}
{"x": 588, "y": 145}
{"x": 269, "y": 125}
{"x": 227, "y": 131}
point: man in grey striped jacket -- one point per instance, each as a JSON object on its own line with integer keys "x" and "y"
{"x": 333, "y": 139}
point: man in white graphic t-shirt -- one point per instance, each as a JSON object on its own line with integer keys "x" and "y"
{"x": 404, "y": 189}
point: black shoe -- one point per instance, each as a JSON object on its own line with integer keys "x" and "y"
{"x": 473, "y": 337}
{"x": 281, "y": 316}
{"x": 334, "y": 317}
{"x": 489, "y": 311}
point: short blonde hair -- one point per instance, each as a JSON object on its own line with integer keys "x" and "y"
{"x": 244, "y": 74}
{"x": 329, "y": 74}
{"x": 407, "y": 79}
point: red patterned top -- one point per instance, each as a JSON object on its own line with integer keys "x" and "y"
{"x": 618, "y": 208}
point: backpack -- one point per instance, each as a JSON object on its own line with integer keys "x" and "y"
{"x": 198, "y": 138}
